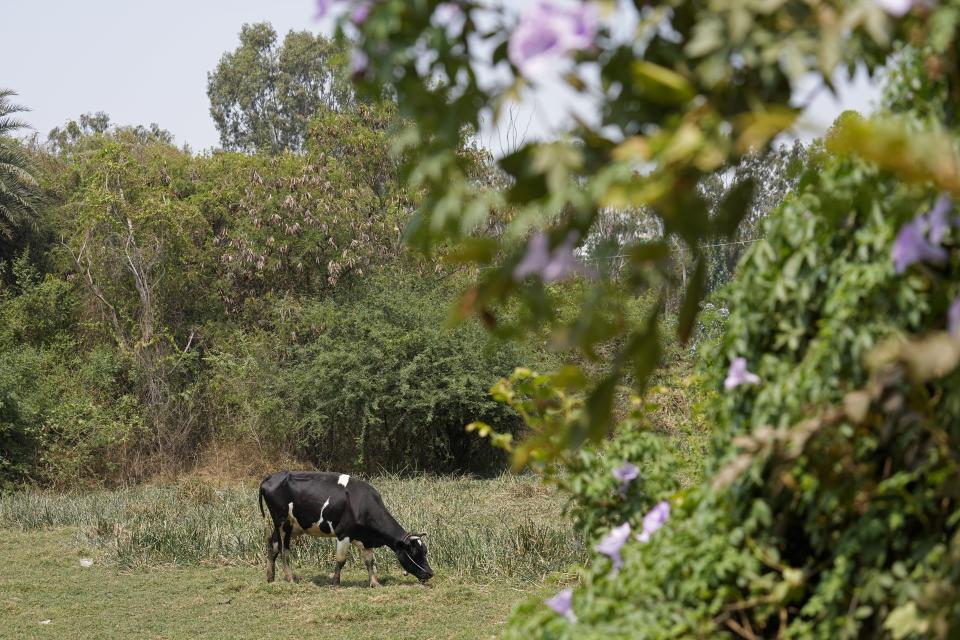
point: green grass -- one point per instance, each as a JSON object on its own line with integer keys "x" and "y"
{"x": 42, "y": 580}
{"x": 186, "y": 560}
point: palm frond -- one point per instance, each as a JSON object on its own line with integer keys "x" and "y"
{"x": 17, "y": 181}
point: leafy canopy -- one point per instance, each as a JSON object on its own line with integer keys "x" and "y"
{"x": 264, "y": 93}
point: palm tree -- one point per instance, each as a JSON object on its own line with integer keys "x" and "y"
{"x": 17, "y": 182}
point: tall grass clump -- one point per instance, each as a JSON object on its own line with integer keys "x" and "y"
{"x": 506, "y": 526}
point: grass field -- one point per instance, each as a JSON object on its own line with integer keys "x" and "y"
{"x": 184, "y": 560}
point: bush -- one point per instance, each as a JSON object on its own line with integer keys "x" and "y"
{"x": 64, "y": 413}
{"x": 840, "y": 521}
{"x": 369, "y": 379}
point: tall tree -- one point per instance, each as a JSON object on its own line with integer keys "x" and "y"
{"x": 17, "y": 181}
{"x": 75, "y": 133}
{"x": 262, "y": 95}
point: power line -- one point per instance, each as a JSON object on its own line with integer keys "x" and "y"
{"x": 699, "y": 246}
{"x": 627, "y": 255}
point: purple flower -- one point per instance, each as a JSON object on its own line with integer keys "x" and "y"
{"x": 953, "y": 318}
{"x": 938, "y": 218}
{"x": 738, "y": 375}
{"x": 551, "y": 267}
{"x": 536, "y": 259}
{"x": 358, "y": 62}
{"x": 612, "y": 542}
{"x": 360, "y": 13}
{"x": 626, "y": 474}
{"x": 895, "y": 8}
{"x": 548, "y": 32}
{"x": 324, "y": 6}
{"x": 911, "y": 246}
{"x": 562, "y": 603}
{"x": 655, "y": 518}
{"x": 447, "y": 12}
{"x": 582, "y": 23}
{"x": 533, "y": 47}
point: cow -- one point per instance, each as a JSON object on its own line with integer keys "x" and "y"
{"x": 335, "y": 505}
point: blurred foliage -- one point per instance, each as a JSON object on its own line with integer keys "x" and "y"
{"x": 832, "y": 510}
{"x": 696, "y": 89}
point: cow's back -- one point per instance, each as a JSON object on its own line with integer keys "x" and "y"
{"x": 315, "y": 502}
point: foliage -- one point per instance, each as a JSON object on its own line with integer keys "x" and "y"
{"x": 305, "y": 224}
{"x": 263, "y": 95}
{"x": 369, "y": 379}
{"x": 694, "y": 91}
{"x": 832, "y": 510}
{"x": 17, "y": 181}
{"x": 819, "y": 523}
{"x": 64, "y": 412}
{"x": 75, "y": 132}
{"x": 162, "y": 296}
{"x": 127, "y": 221}
{"x": 597, "y": 500}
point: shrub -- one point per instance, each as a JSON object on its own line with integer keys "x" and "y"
{"x": 833, "y": 515}
{"x": 370, "y": 378}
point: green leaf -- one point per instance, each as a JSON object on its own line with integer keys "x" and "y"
{"x": 734, "y": 207}
{"x": 660, "y": 84}
{"x": 479, "y": 250}
{"x": 904, "y": 621}
{"x": 696, "y": 289}
{"x": 600, "y": 407}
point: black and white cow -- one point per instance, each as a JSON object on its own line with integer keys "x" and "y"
{"x": 334, "y": 505}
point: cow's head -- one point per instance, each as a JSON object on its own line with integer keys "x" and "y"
{"x": 412, "y": 554}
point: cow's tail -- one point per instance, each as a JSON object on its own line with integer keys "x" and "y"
{"x": 262, "y": 514}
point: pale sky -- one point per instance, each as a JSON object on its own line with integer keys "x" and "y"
{"x": 147, "y": 62}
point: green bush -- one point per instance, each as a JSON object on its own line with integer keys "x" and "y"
{"x": 824, "y": 520}
{"x": 368, "y": 379}
{"x": 64, "y": 412}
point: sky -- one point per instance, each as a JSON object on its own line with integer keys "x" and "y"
{"x": 144, "y": 62}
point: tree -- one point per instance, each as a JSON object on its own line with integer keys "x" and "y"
{"x": 130, "y": 228}
{"x": 262, "y": 95}
{"x": 17, "y": 181}
{"x": 76, "y": 132}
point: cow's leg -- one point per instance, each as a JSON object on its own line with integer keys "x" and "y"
{"x": 367, "y": 555}
{"x": 343, "y": 548}
{"x": 286, "y": 536}
{"x": 273, "y": 550}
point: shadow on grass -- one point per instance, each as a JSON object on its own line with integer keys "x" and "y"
{"x": 323, "y": 580}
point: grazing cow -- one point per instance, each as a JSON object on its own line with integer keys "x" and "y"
{"x": 334, "y": 505}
